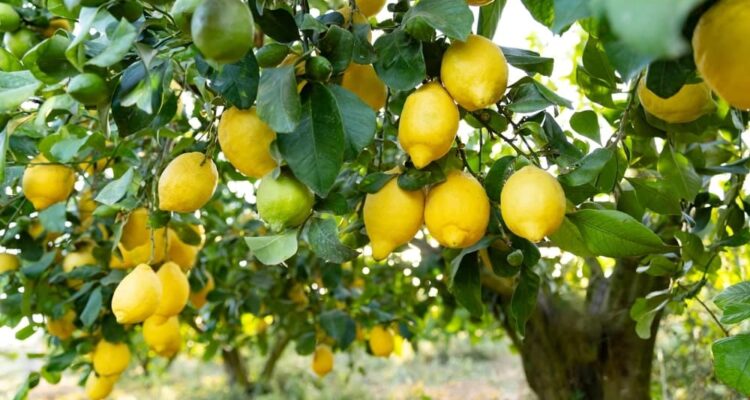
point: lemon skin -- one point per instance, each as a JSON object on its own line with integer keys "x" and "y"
{"x": 245, "y": 140}
{"x": 457, "y": 211}
{"x": 688, "y": 104}
{"x": 392, "y": 217}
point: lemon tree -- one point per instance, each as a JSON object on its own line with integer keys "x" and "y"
{"x": 219, "y": 178}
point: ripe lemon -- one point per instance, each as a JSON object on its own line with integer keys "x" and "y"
{"x": 246, "y": 140}
{"x": 8, "y": 262}
{"x": 162, "y": 335}
{"x": 187, "y": 183}
{"x": 86, "y": 207}
{"x": 10, "y": 21}
{"x": 369, "y": 7}
{"x": 381, "y": 341}
{"x": 63, "y": 327}
{"x": 78, "y": 259}
{"x": 392, "y": 217}
{"x": 223, "y": 30}
{"x": 54, "y": 25}
{"x": 474, "y": 72}
{"x": 359, "y": 19}
{"x": 182, "y": 253}
{"x": 99, "y": 387}
{"x": 721, "y": 48}
{"x": 532, "y": 203}
{"x": 363, "y": 81}
{"x": 45, "y": 184}
{"x": 322, "y": 362}
{"x": 139, "y": 244}
{"x": 136, "y": 230}
{"x": 689, "y": 104}
{"x": 457, "y": 211}
{"x": 198, "y": 299}
{"x": 137, "y": 296}
{"x": 174, "y": 290}
{"x": 284, "y": 202}
{"x": 110, "y": 358}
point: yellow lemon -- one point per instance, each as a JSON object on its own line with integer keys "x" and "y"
{"x": 187, "y": 183}
{"x": 86, "y": 207}
{"x": 8, "y": 262}
{"x": 139, "y": 244}
{"x": 78, "y": 259}
{"x": 175, "y": 290}
{"x": 369, "y": 7}
{"x": 283, "y": 202}
{"x": 246, "y": 140}
{"x": 721, "y": 48}
{"x": 136, "y": 231}
{"x": 322, "y": 362}
{"x": 532, "y": 203}
{"x": 137, "y": 296}
{"x": 691, "y": 102}
{"x": 99, "y": 387}
{"x": 162, "y": 335}
{"x": 110, "y": 358}
{"x": 457, "y": 211}
{"x": 474, "y": 72}
{"x": 392, "y": 217}
{"x": 63, "y": 327}
{"x": 54, "y": 25}
{"x": 429, "y": 122}
{"x": 198, "y": 299}
{"x": 45, "y": 184}
{"x": 381, "y": 341}
{"x": 363, "y": 81}
{"x": 182, "y": 253}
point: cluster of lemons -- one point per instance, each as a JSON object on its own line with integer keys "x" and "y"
{"x": 381, "y": 343}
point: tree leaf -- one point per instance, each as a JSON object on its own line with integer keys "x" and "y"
{"x": 400, "y": 61}
{"x": 272, "y": 250}
{"x": 590, "y": 168}
{"x": 613, "y": 233}
{"x": 278, "y": 102}
{"x": 337, "y": 46}
{"x": 497, "y": 175}
{"x": 655, "y": 196}
{"x": 679, "y": 175}
{"x": 16, "y": 88}
{"x": 587, "y": 124}
{"x": 569, "y": 238}
{"x": 138, "y": 96}
{"x": 659, "y": 266}
{"x": 277, "y": 23}
{"x": 416, "y": 179}
{"x": 666, "y": 77}
{"x": 734, "y": 301}
{"x": 523, "y": 301}
{"x": 489, "y": 17}
{"x": 569, "y": 11}
{"x": 466, "y": 285}
{"x": 542, "y": 10}
{"x": 323, "y": 236}
{"x": 53, "y": 217}
{"x": 315, "y": 150}
{"x": 452, "y": 17}
{"x": 339, "y": 326}
{"x": 358, "y": 118}
{"x": 373, "y": 182}
{"x": 643, "y": 313}
{"x": 238, "y": 82}
{"x": 528, "y": 61}
{"x": 68, "y": 147}
{"x": 732, "y": 362}
{"x": 115, "y": 190}
{"x": 93, "y": 306}
{"x": 47, "y": 60}
{"x": 120, "y": 42}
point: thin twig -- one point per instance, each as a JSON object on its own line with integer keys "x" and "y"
{"x": 711, "y": 313}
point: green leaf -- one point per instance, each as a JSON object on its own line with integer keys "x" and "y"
{"x": 679, "y": 175}
{"x": 35, "y": 269}
{"x": 238, "y": 82}
{"x": 16, "y": 87}
{"x": 456, "y": 261}
{"x": 337, "y": 46}
{"x": 47, "y": 60}
{"x": 625, "y": 60}
{"x": 68, "y": 147}
{"x": 373, "y": 182}
{"x": 323, "y": 236}
{"x": 359, "y": 121}
{"x": 734, "y": 301}
{"x": 587, "y": 124}
{"x": 655, "y": 196}
{"x": 466, "y": 285}
{"x": 489, "y": 17}
{"x": 590, "y": 168}
{"x": 400, "y": 61}
{"x": 93, "y": 306}
{"x": 497, "y": 175}
{"x": 523, "y": 301}
{"x": 25, "y": 332}
{"x": 643, "y": 313}
{"x": 31, "y": 382}
{"x": 120, "y": 42}
{"x": 76, "y": 52}
{"x": 740, "y": 238}
{"x": 339, "y": 326}
{"x": 115, "y": 190}
{"x": 53, "y": 217}
{"x": 666, "y": 77}
{"x": 732, "y": 362}
{"x": 305, "y": 343}
{"x": 659, "y": 266}
{"x": 138, "y": 96}
{"x": 277, "y": 23}
{"x": 528, "y": 60}
{"x": 272, "y": 250}
{"x": 278, "y": 102}
{"x": 452, "y": 17}
{"x": 416, "y": 179}
{"x": 542, "y": 10}
{"x": 612, "y": 233}
{"x": 569, "y": 238}
{"x": 315, "y": 150}
{"x": 569, "y": 11}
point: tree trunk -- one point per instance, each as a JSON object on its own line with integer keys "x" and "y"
{"x": 236, "y": 370}
{"x": 591, "y": 352}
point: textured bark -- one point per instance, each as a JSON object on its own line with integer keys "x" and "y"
{"x": 236, "y": 369}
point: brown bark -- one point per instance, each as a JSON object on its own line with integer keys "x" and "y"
{"x": 236, "y": 369}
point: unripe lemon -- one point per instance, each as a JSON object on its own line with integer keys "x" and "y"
{"x": 182, "y": 253}
{"x": 182, "y": 13}
{"x": 721, "y": 48}
{"x": 363, "y": 81}
{"x": 429, "y": 122}
{"x": 99, "y": 387}
{"x": 457, "y": 211}
{"x": 9, "y": 19}
{"x": 45, "y": 184}
{"x": 532, "y": 203}
{"x": 381, "y": 341}
{"x": 284, "y": 202}
{"x": 369, "y": 7}
{"x": 137, "y": 296}
{"x": 245, "y": 140}
{"x": 20, "y": 41}
{"x": 175, "y": 290}
{"x": 110, "y": 358}
{"x": 198, "y": 299}
{"x": 322, "y": 362}
{"x": 688, "y": 104}
{"x": 474, "y": 72}
{"x": 63, "y": 327}
{"x": 162, "y": 335}
{"x": 222, "y": 29}
{"x": 187, "y": 183}
{"x": 8, "y": 262}
{"x": 392, "y": 217}
{"x": 89, "y": 89}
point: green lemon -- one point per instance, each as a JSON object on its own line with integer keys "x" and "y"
{"x": 283, "y": 202}
{"x": 9, "y": 19}
{"x": 318, "y": 68}
{"x": 182, "y": 13}
{"x": 20, "y": 41}
{"x": 223, "y": 30}
{"x": 128, "y": 9}
{"x": 271, "y": 54}
{"x": 89, "y": 89}
{"x": 8, "y": 62}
